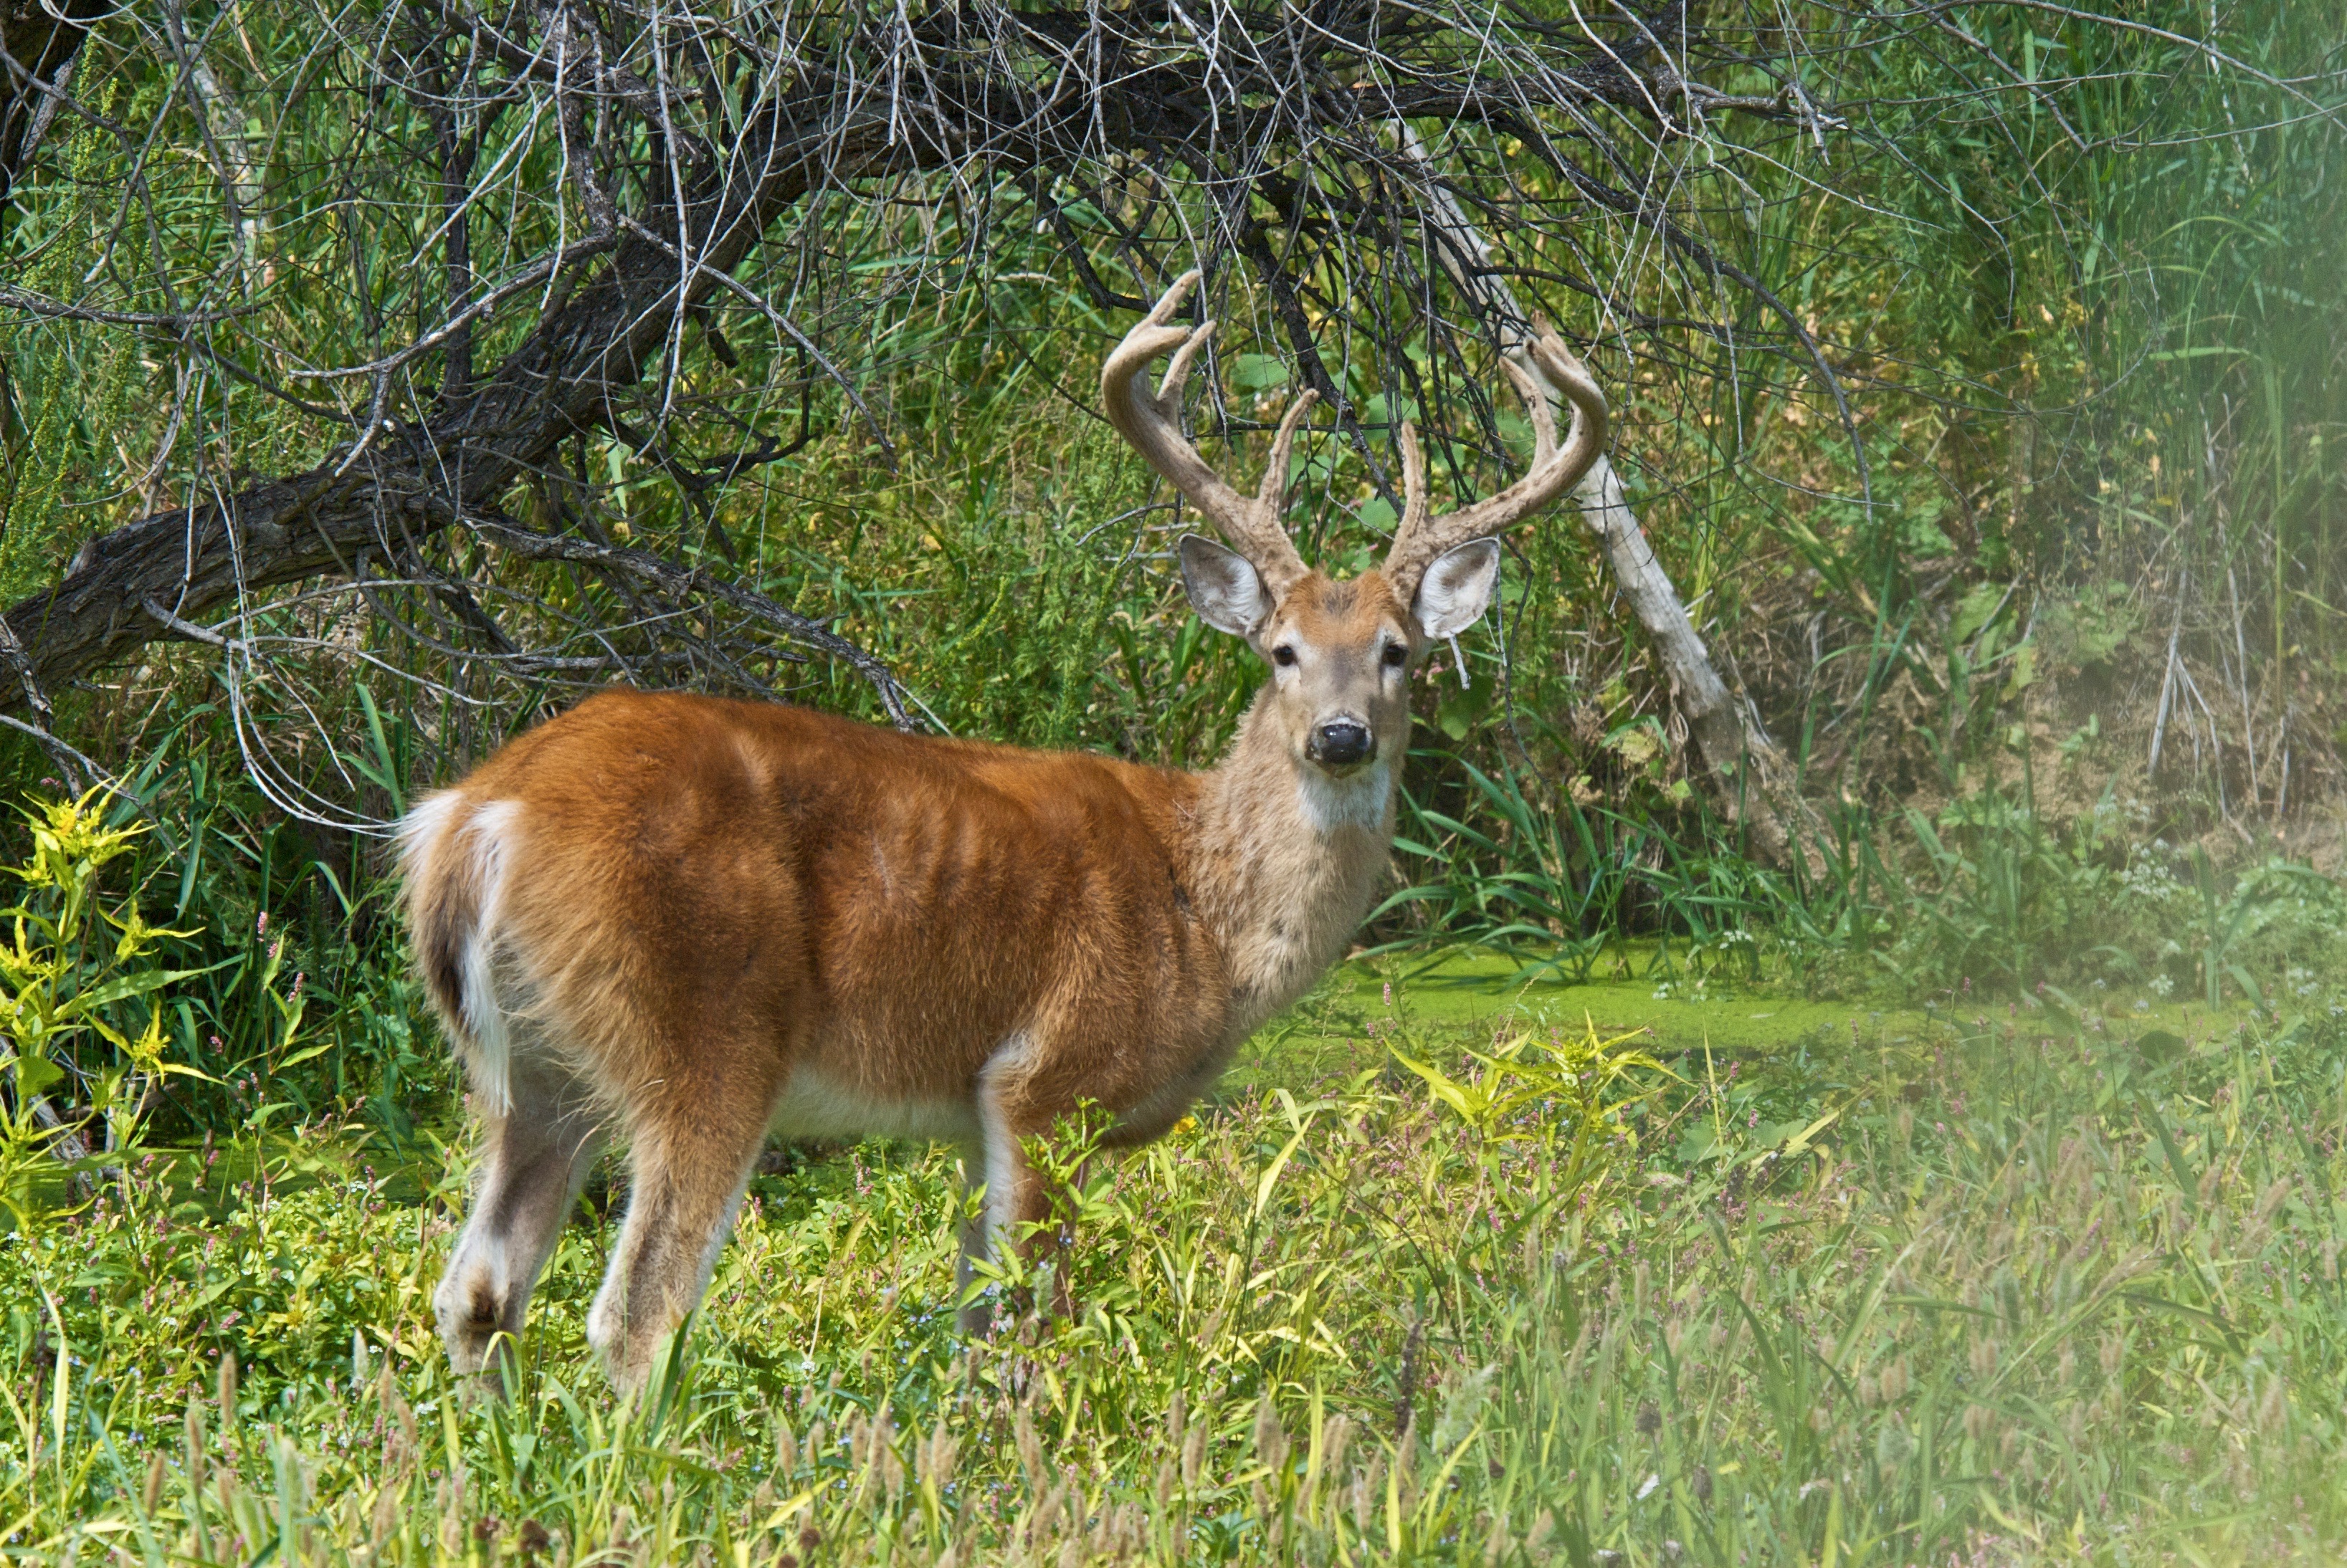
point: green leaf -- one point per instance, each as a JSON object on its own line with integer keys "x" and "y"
{"x": 2182, "y": 1172}
{"x": 1460, "y": 712}
{"x": 35, "y": 1073}
{"x": 1270, "y": 1177}
{"x": 1447, "y": 1089}
{"x": 121, "y": 987}
{"x": 1257, "y": 371}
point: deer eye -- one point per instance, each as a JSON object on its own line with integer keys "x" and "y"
{"x": 1397, "y": 656}
{"x": 1283, "y": 655}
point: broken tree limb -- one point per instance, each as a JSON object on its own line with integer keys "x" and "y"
{"x": 396, "y": 483}
{"x": 1748, "y": 778}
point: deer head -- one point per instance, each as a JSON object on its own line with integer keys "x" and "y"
{"x": 1341, "y": 652}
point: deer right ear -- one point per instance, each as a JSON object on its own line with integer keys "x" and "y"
{"x": 1224, "y": 587}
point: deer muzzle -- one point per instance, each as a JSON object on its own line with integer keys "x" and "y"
{"x": 1340, "y": 745}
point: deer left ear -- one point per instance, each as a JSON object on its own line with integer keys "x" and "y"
{"x": 1457, "y": 588}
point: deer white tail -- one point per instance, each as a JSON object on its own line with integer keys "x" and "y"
{"x": 455, "y": 855}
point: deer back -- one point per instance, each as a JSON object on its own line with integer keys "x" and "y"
{"x": 878, "y": 911}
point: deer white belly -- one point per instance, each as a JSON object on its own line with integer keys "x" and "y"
{"x": 817, "y": 1104}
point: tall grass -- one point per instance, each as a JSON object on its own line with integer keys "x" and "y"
{"x": 2008, "y": 1291}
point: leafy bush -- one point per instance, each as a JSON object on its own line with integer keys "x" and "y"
{"x": 2019, "y": 903}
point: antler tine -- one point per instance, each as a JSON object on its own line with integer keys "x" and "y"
{"x": 1273, "y": 493}
{"x": 1414, "y": 502}
{"x": 1177, "y": 373}
{"x": 1535, "y": 402}
{"x": 1571, "y": 377}
{"x": 1152, "y": 421}
{"x": 1553, "y": 472}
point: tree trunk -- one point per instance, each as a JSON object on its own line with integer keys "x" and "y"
{"x": 39, "y": 40}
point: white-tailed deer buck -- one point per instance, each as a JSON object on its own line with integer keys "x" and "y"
{"x": 698, "y": 923}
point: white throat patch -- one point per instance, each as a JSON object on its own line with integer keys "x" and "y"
{"x": 1359, "y": 802}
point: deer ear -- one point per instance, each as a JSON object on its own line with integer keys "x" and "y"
{"x": 1457, "y": 588}
{"x": 1225, "y": 589}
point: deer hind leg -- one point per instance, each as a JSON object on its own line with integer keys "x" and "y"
{"x": 534, "y": 1158}
{"x": 693, "y": 1149}
{"x": 1014, "y": 1218}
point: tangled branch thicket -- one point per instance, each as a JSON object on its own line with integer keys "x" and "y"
{"x": 460, "y": 349}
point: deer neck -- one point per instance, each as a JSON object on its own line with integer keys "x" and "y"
{"x": 1284, "y": 864}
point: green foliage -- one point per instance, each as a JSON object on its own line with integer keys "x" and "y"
{"x": 2020, "y": 903}
{"x": 296, "y": 1002}
{"x": 1554, "y": 885}
{"x": 77, "y": 975}
{"x": 2015, "y": 896}
{"x": 1579, "y": 1087}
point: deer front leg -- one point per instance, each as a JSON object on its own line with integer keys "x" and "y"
{"x": 1014, "y": 1218}
{"x": 534, "y": 1158}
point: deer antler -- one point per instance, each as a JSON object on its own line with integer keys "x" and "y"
{"x": 1420, "y": 538}
{"x": 1152, "y": 421}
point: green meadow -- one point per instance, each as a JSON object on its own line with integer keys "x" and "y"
{"x": 1460, "y": 1267}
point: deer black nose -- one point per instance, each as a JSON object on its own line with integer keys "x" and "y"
{"x": 1340, "y": 741}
